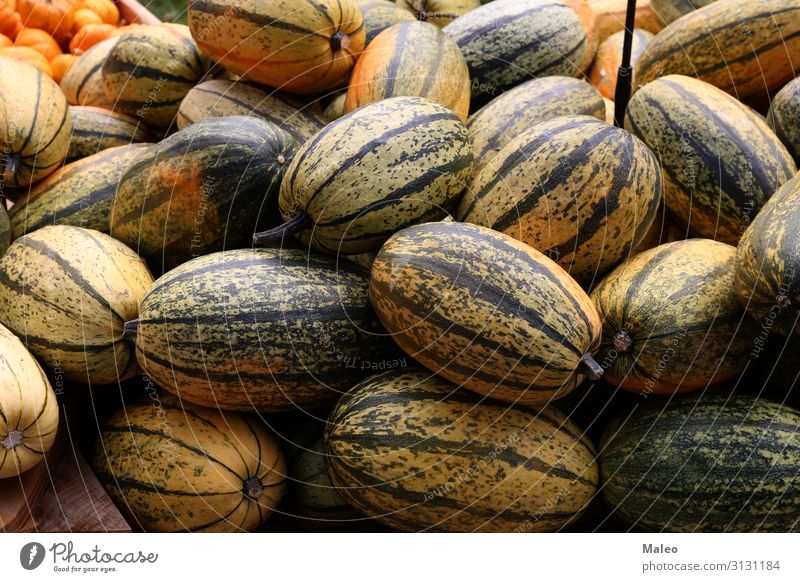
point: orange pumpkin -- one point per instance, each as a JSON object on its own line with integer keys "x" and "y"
{"x": 84, "y": 16}
{"x": 61, "y": 64}
{"x": 5, "y": 41}
{"x": 38, "y": 40}
{"x": 90, "y": 35}
{"x": 105, "y": 9}
{"x": 28, "y": 55}
{"x": 10, "y": 22}
{"x": 44, "y": 14}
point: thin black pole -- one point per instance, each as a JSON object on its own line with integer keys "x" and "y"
{"x": 622, "y": 94}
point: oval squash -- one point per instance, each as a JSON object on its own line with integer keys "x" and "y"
{"x": 202, "y": 189}
{"x": 171, "y": 466}
{"x": 719, "y": 463}
{"x": 335, "y": 108}
{"x": 414, "y": 59}
{"x": 438, "y": 12}
{"x": 511, "y": 41}
{"x": 95, "y": 129}
{"x": 517, "y": 110}
{"x": 748, "y": 49}
{"x": 73, "y": 318}
{"x": 575, "y": 188}
{"x": 28, "y": 408}
{"x": 485, "y": 311}
{"x": 383, "y": 167}
{"x": 270, "y": 329}
{"x": 379, "y": 15}
{"x": 35, "y": 125}
{"x": 671, "y": 319}
{"x": 671, "y": 10}
{"x": 83, "y": 82}
{"x": 720, "y": 160}
{"x": 5, "y": 229}
{"x": 609, "y": 57}
{"x": 149, "y": 70}
{"x": 220, "y": 98}
{"x": 79, "y": 194}
{"x": 417, "y": 454}
{"x": 302, "y": 47}
{"x": 767, "y": 266}
{"x": 783, "y": 115}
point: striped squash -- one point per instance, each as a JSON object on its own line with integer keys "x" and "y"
{"x": 438, "y": 12}
{"x": 783, "y": 115}
{"x": 34, "y": 126}
{"x": 767, "y": 265}
{"x": 511, "y": 41}
{"x": 171, "y": 467}
{"x": 485, "y": 311}
{"x": 302, "y": 47}
{"x": 271, "y": 329}
{"x": 95, "y": 129}
{"x": 720, "y": 160}
{"x": 411, "y": 58}
{"x": 720, "y": 463}
{"x": 513, "y": 112}
{"x": 79, "y": 194}
{"x": 5, "y": 229}
{"x": 335, "y": 108}
{"x": 220, "y": 98}
{"x": 609, "y": 57}
{"x": 83, "y": 82}
{"x": 671, "y": 10}
{"x": 383, "y": 167}
{"x": 72, "y": 319}
{"x": 202, "y": 189}
{"x": 28, "y": 408}
{"x": 418, "y": 454}
{"x": 149, "y": 70}
{"x": 379, "y": 15}
{"x": 671, "y": 319}
{"x": 748, "y": 49}
{"x": 575, "y": 188}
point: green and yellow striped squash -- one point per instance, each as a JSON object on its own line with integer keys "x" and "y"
{"x": 438, "y": 12}
{"x": 783, "y": 115}
{"x": 149, "y": 70}
{"x": 418, "y": 454}
{"x": 414, "y": 59}
{"x": 5, "y": 229}
{"x": 68, "y": 291}
{"x": 748, "y": 49}
{"x": 575, "y": 188}
{"x": 220, "y": 98}
{"x": 385, "y": 166}
{"x": 720, "y": 463}
{"x": 302, "y": 47}
{"x": 720, "y": 160}
{"x": 270, "y": 329}
{"x": 95, "y": 129}
{"x": 485, "y": 311}
{"x": 609, "y": 58}
{"x": 202, "y": 189}
{"x": 171, "y": 466}
{"x": 83, "y": 82}
{"x": 28, "y": 408}
{"x": 671, "y": 10}
{"x": 379, "y": 15}
{"x": 768, "y": 262}
{"x": 511, "y": 41}
{"x": 671, "y": 319}
{"x": 34, "y": 126}
{"x": 79, "y": 194}
{"x": 517, "y": 110}
{"x": 335, "y": 108}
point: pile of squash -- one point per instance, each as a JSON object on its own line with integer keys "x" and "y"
{"x": 380, "y": 264}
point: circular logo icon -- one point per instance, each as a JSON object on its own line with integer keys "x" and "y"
{"x": 31, "y": 555}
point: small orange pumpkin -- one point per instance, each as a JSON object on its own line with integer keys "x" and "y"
{"x": 28, "y": 55}
{"x": 10, "y": 22}
{"x": 44, "y": 14}
{"x": 105, "y": 9}
{"x": 84, "y": 16}
{"x": 61, "y": 64}
{"x": 38, "y": 40}
{"x": 90, "y": 35}
{"x": 5, "y": 41}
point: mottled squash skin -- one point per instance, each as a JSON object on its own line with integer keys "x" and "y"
{"x": 438, "y": 12}
{"x": 95, "y": 129}
{"x": 783, "y": 117}
{"x": 671, "y": 319}
{"x": 418, "y": 454}
{"x": 715, "y": 463}
{"x": 83, "y": 82}
{"x": 379, "y": 15}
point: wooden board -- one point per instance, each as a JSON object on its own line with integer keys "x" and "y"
{"x": 132, "y": 11}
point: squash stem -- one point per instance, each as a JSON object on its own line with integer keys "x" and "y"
{"x": 589, "y": 368}
{"x": 129, "y": 330}
{"x": 12, "y": 440}
{"x": 340, "y": 41}
{"x": 253, "y": 488}
{"x": 622, "y": 342}
{"x": 289, "y": 227}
